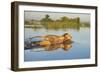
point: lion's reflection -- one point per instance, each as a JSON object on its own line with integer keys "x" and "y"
{"x": 53, "y": 47}
{"x": 65, "y": 47}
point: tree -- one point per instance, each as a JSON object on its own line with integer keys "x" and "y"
{"x": 47, "y": 18}
{"x": 64, "y": 18}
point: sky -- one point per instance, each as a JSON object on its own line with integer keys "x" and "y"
{"x": 38, "y": 15}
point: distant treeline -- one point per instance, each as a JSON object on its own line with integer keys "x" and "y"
{"x": 62, "y": 23}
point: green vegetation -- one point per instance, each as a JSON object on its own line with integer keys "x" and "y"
{"x": 63, "y": 23}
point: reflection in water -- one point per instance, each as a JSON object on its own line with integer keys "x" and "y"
{"x": 50, "y": 42}
{"x": 53, "y": 47}
{"x": 65, "y": 47}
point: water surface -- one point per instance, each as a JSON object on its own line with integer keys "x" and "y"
{"x": 80, "y": 47}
